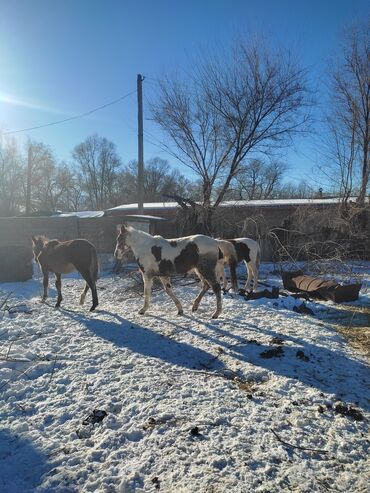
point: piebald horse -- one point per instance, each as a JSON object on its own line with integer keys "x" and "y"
{"x": 157, "y": 256}
{"x": 246, "y": 250}
{"x": 63, "y": 257}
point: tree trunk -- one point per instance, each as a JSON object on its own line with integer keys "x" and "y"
{"x": 364, "y": 174}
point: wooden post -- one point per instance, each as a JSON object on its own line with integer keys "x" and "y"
{"x": 29, "y": 179}
{"x": 140, "y": 162}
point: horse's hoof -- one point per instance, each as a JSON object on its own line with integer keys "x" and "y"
{"x": 180, "y": 312}
{"x": 194, "y": 308}
{"x": 215, "y": 315}
{"x": 57, "y": 305}
{"x": 141, "y": 311}
{"x": 93, "y": 308}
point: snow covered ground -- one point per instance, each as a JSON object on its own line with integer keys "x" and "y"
{"x": 255, "y": 401}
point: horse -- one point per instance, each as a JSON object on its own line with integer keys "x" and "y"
{"x": 246, "y": 250}
{"x": 158, "y": 257}
{"x": 63, "y": 257}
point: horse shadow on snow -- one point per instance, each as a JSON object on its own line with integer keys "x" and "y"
{"x": 147, "y": 342}
{"x": 332, "y": 371}
{"x": 21, "y": 464}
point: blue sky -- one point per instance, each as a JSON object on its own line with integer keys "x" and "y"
{"x": 62, "y": 58}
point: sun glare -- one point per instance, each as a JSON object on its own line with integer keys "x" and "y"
{"x": 16, "y": 101}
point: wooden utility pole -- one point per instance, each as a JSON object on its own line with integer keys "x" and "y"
{"x": 29, "y": 179}
{"x": 140, "y": 163}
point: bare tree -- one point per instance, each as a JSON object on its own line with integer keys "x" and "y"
{"x": 301, "y": 190}
{"x": 251, "y": 101}
{"x": 50, "y": 181}
{"x": 11, "y": 175}
{"x": 55, "y": 186}
{"x": 350, "y": 123}
{"x": 40, "y": 158}
{"x": 75, "y": 198}
{"x": 50, "y": 185}
{"x": 159, "y": 180}
{"x": 340, "y": 158}
{"x": 99, "y": 163}
{"x": 258, "y": 180}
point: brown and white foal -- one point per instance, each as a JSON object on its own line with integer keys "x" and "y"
{"x": 157, "y": 256}
{"x": 63, "y": 257}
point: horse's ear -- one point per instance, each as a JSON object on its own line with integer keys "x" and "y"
{"x": 34, "y": 239}
{"x": 123, "y": 228}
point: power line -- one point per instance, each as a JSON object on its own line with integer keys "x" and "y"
{"x": 82, "y": 115}
{"x": 159, "y": 81}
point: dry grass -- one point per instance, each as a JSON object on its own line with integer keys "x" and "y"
{"x": 354, "y": 325}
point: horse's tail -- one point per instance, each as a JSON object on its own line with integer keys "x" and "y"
{"x": 94, "y": 265}
{"x": 231, "y": 258}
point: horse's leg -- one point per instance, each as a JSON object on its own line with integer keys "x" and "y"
{"x": 205, "y": 288}
{"x": 250, "y": 275}
{"x": 217, "y": 290}
{"x": 148, "y": 283}
{"x": 255, "y": 275}
{"x": 224, "y": 278}
{"x": 94, "y": 293}
{"x": 58, "y": 285}
{"x": 198, "y": 299}
{"x": 168, "y": 288}
{"x": 209, "y": 273}
{"x": 83, "y": 294}
{"x": 45, "y": 283}
{"x": 91, "y": 283}
{"x": 94, "y": 276}
{"x": 221, "y": 274}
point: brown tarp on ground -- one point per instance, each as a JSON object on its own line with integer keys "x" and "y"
{"x": 320, "y": 288}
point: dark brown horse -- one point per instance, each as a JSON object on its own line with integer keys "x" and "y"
{"x": 63, "y": 257}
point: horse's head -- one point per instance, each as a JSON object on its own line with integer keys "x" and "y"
{"x": 121, "y": 245}
{"x": 38, "y": 243}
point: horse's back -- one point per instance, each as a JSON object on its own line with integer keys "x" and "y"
{"x": 79, "y": 245}
{"x": 65, "y": 257}
{"x": 81, "y": 253}
{"x": 204, "y": 244}
{"x": 177, "y": 255}
{"x": 56, "y": 259}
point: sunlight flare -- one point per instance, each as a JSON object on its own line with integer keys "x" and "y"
{"x": 16, "y": 101}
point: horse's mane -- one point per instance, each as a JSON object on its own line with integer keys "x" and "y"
{"x": 45, "y": 241}
{"x": 51, "y": 243}
{"x": 42, "y": 238}
{"x": 131, "y": 229}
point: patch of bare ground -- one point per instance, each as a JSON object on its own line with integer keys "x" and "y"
{"x": 354, "y": 324}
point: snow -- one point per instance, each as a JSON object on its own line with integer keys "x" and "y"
{"x": 191, "y": 404}
{"x": 82, "y": 214}
{"x": 230, "y": 203}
